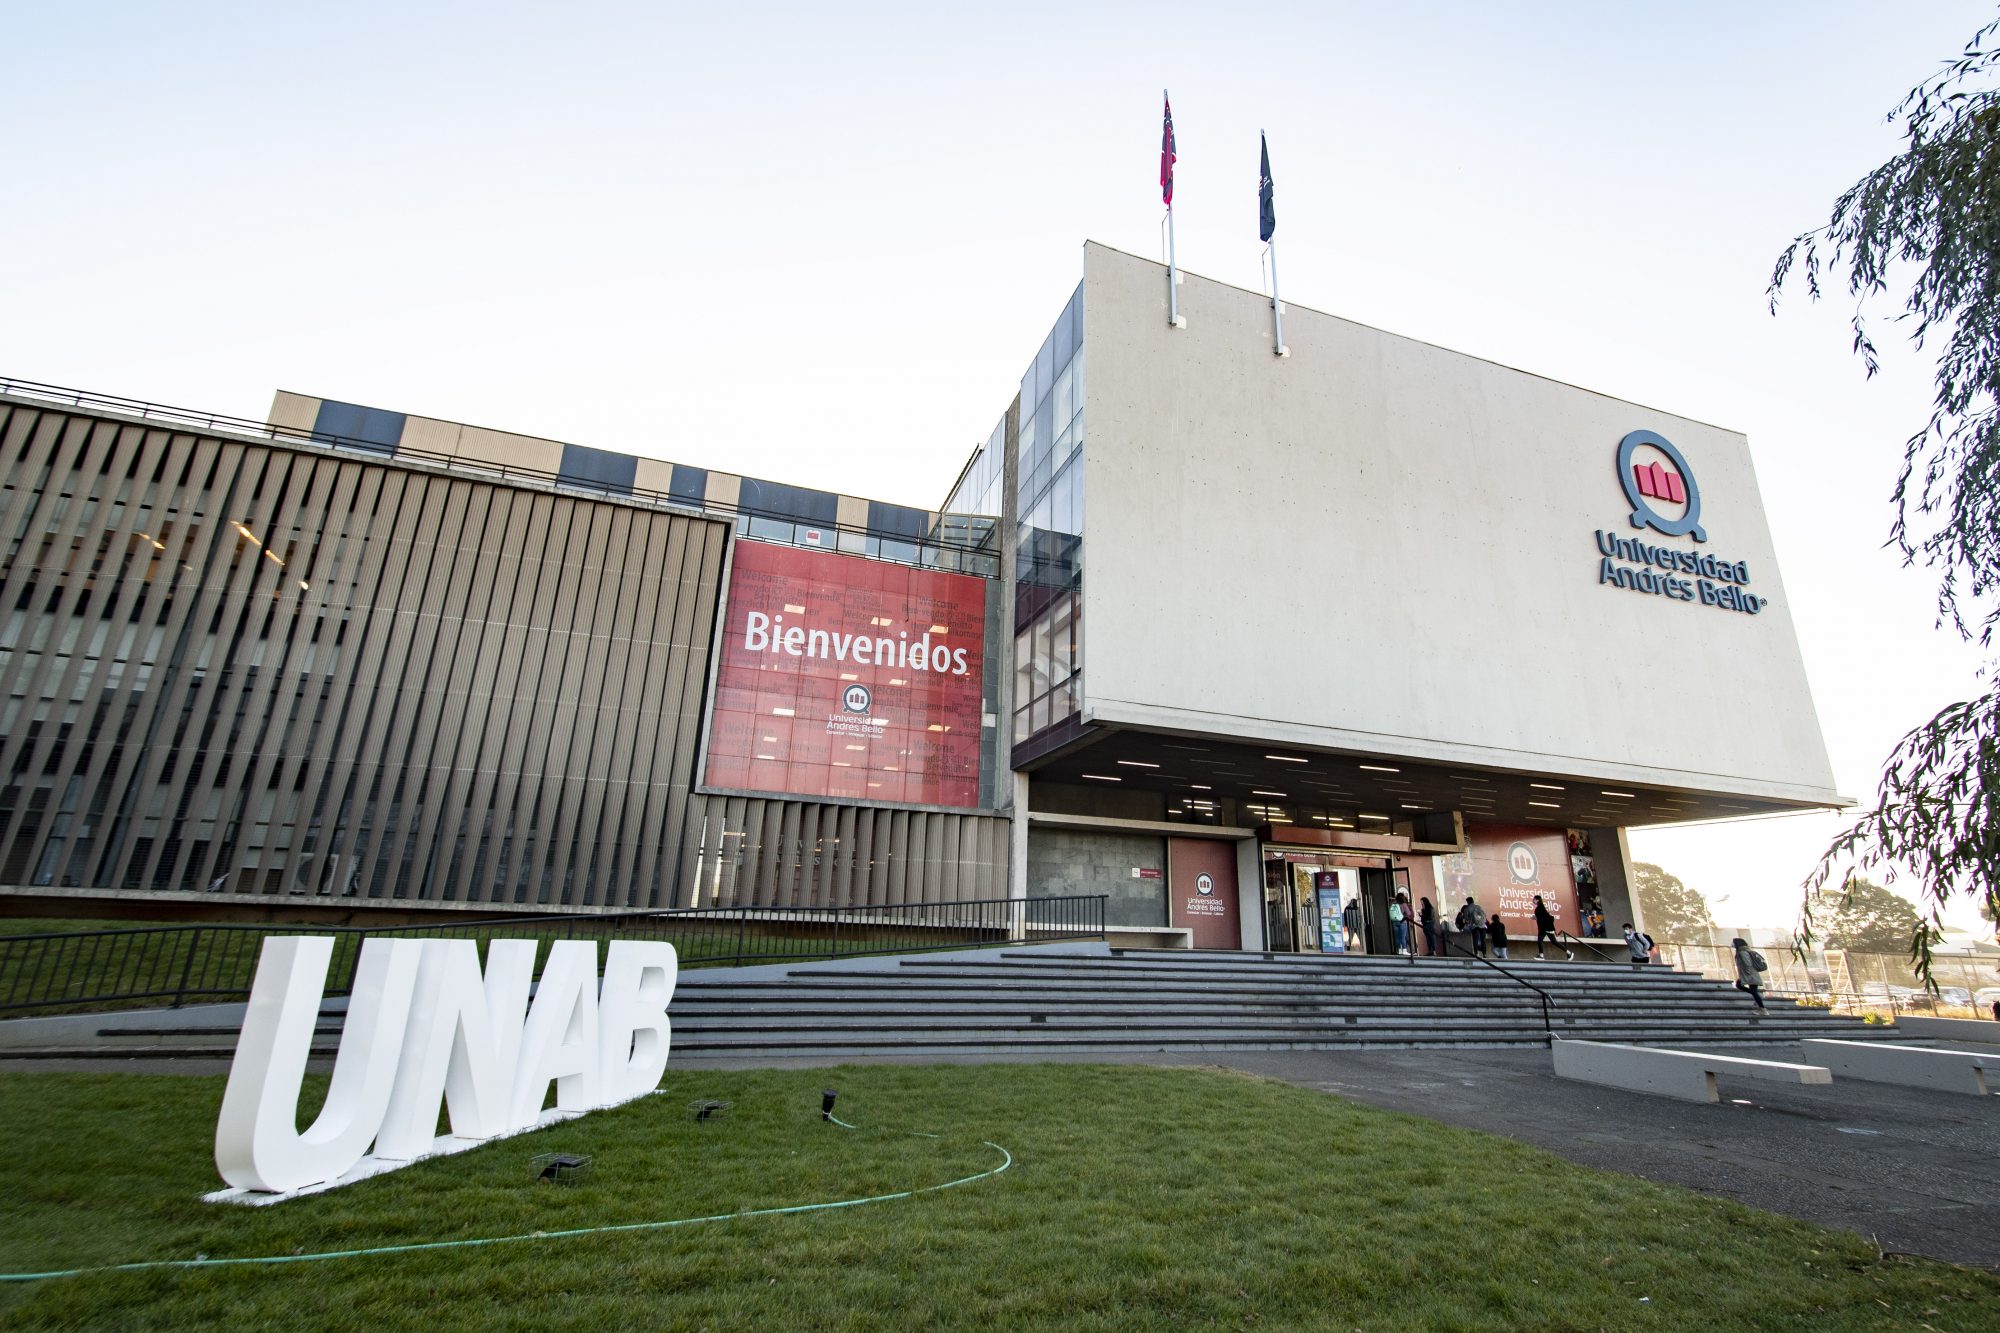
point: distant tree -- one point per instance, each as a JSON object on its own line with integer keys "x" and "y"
{"x": 1673, "y": 911}
{"x": 1864, "y": 917}
{"x": 1926, "y": 221}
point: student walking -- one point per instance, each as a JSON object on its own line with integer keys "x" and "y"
{"x": 1497, "y": 930}
{"x": 1545, "y": 929}
{"x": 1639, "y": 943}
{"x": 1472, "y": 919}
{"x": 1427, "y": 917}
{"x": 1750, "y": 967}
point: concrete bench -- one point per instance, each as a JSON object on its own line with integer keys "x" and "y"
{"x": 1950, "y": 1029}
{"x": 1689, "y": 1075}
{"x": 1911, "y": 1066}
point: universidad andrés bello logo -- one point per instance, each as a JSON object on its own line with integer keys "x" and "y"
{"x": 1661, "y": 488}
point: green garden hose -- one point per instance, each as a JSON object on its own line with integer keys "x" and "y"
{"x": 1006, "y": 1160}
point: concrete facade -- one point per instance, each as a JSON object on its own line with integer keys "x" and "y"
{"x": 1383, "y": 547}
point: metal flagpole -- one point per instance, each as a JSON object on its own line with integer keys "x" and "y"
{"x": 1277, "y": 306}
{"x": 1168, "y": 155}
{"x": 1267, "y": 231}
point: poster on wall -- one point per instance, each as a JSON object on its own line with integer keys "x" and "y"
{"x": 1332, "y": 929}
{"x": 846, "y": 678}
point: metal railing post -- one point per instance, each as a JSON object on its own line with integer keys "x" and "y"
{"x": 187, "y": 968}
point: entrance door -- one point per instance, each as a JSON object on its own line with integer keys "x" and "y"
{"x": 1378, "y": 889}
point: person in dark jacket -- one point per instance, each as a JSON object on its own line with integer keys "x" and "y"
{"x": 1545, "y": 928}
{"x": 1427, "y": 917}
{"x": 1748, "y": 976}
{"x": 1472, "y": 920}
{"x": 1496, "y": 930}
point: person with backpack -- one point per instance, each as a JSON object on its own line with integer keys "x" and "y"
{"x": 1472, "y": 920}
{"x": 1496, "y": 930}
{"x": 1750, "y": 969}
{"x": 1639, "y": 943}
{"x": 1545, "y": 929}
{"x": 1399, "y": 922}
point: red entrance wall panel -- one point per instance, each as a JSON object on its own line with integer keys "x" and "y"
{"x": 1202, "y": 890}
{"x": 820, "y": 693}
{"x": 1507, "y": 866}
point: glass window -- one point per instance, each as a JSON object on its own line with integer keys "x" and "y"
{"x": 770, "y": 529}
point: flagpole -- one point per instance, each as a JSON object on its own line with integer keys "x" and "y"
{"x": 1277, "y": 306}
{"x": 1269, "y": 223}
{"x": 1173, "y": 265}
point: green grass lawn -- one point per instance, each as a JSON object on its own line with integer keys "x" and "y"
{"x": 1138, "y": 1198}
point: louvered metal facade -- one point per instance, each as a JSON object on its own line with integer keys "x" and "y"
{"x": 236, "y": 666}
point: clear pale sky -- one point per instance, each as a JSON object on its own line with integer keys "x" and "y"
{"x": 819, "y": 243}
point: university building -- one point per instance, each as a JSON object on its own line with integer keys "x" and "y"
{"x": 1249, "y": 642}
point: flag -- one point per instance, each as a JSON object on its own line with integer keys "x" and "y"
{"x": 1167, "y": 155}
{"x": 1267, "y": 212}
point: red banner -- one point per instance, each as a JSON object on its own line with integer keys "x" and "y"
{"x": 849, "y": 679}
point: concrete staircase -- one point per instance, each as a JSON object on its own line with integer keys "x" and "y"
{"x": 1087, "y": 999}
{"x": 1032, "y": 1001}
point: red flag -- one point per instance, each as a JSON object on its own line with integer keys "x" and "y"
{"x": 1167, "y": 155}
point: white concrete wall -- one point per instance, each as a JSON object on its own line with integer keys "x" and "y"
{"x": 1382, "y": 546}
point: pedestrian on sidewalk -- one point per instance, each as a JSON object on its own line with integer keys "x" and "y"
{"x": 1496, "y": 930}
{"x": 1427, "y": 917}
{"x": 1399, "y": 921}
{"x": 1750, "y": 967}
{"x": 1545, "y": 929}
{"x": 1639, "y": 943}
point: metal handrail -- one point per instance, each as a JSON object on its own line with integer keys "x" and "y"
{"x": 59, "y": 394}
{"x": 218, "y": 961}
{"x": 1548, "y": 1024}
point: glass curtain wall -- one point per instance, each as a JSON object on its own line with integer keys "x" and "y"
{"x": 1048, "y": 591}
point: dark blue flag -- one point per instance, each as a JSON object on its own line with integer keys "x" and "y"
{"x": 1267, "y": 213}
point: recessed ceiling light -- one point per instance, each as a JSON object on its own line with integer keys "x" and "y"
{"x": 792, "y": 609}
{"x": 1617, "y": 795}
{"x": 1547, "y": 805}
{"x": 1196, "y": 786}
{"x": 1137, "y": 763}
{"x": 783, "y": 712}
{"x": 940, "y": 629}
{"x": 1288, "y": 759}
{"x": 1378, "y": 768}
{"x": 1546, "y": 786}
{"x": 1373, "y": 816}
{"x": 1102, "y": 777}
{"x": 1413, "y": 807}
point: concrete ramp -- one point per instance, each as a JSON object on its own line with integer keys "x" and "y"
{"x": 1688, "y": 1075}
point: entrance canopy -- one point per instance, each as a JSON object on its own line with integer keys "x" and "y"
{"x": 1207, "y": 779}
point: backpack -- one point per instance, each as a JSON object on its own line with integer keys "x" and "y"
{"x": 1757, "y": 961}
